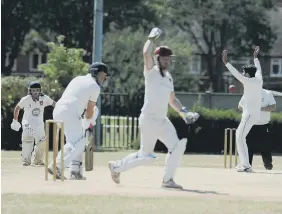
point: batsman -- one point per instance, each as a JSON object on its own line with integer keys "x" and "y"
{"x": 81, "y": 93}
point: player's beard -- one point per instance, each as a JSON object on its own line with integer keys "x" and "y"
{"x": 35, "y": 96}
{"x": 167, "y": 67}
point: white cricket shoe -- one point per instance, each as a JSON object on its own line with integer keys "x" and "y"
{"x": 171, "y": 184}
{"x": 58, "y": 172}
{"x": 25, "y": 163}
{"x": 240, "y": 168}
{"x": 115, "y": 175}
{"x": 37, "y": 163}
{"x": 76, "y": 176}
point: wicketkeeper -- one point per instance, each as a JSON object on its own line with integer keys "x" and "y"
{"x": 32, "y": 124}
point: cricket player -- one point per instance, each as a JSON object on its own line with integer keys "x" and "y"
{"x": 261, "y": 130}
{"x": 154, "y": 124}
{"x": 81, "y": 93}
{"x": 252, "y": 82}
{"x": 32, "y": 124}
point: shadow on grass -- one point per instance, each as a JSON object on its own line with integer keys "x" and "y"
{"x": 267, "y": 172}
{"x": 198, "y": 191}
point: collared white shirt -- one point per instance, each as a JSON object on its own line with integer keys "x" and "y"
{"x": 79, "y": 92}
{"x": 157, "y": 92}
{"x": 252, "y": 89}
{"x": 267, "y": 99}
{"x": 34, "y": 110}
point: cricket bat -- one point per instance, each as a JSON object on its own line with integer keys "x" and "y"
{"x": 89, "y": 149}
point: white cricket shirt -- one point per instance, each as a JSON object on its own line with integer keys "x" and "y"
{"x": 267, "y": 99}
{"x": 78, "y": 93}
{"x": 252, "y": 90}
{"x": 157, "y": 92}
{"x": 34, "y": 110}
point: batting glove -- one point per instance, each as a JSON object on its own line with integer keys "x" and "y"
{"x": 188, "y": 117}
{"x": 86, "y": 123}
{"x": 15, "y": 125}
{"x": 155, "y": 33}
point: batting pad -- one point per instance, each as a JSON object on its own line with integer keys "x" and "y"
{"x": 173, "y": 159}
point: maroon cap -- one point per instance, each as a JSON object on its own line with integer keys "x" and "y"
{"x": 163, "y": 51}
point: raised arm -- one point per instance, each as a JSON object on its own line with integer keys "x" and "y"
{"x": 147, "y": 54}
{"x": 148, "y": 48}
{"x": 257, "y": 64}
{"x": 233, "y": 70}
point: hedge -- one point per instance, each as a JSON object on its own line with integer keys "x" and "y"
{"x": 210, "y": 139}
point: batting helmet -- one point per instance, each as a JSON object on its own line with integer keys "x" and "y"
{"x": 97, "y": 67}
{"x": 163, "y": 51}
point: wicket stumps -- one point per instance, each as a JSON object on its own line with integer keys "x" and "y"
{"x": 57, "y": 126}
{"x": 231, "y": 131}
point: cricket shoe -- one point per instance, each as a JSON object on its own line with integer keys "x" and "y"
{"x": 243, "y": 169}
{"x": 37, "y": 163}
{"x": 25, "y": 163}
{"x": 58, "y": 172}
{"x": 171, "y": 185}
{"x": 115, "y": 175}
{"x": 76, "y": 176}
{"x": 268, "y": 167}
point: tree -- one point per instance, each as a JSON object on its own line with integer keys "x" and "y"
{"x": 64, "y": 63}
{"x": 124, "y": 56}
{"x": 13, "y": 30}
{"x": 74, "y": 19}
{"x": 217, "y": 24}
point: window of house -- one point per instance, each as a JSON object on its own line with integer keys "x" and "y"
{"x": 195, "y": 64}
{"x": 35, "y": 59}
{"x": 276, "y": 68}
{"x": 7, "y": 61}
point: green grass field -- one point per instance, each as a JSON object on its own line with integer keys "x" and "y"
{"x": 209, "y": 188}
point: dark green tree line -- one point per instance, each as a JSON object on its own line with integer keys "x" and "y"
{"x": 213, "y": 25}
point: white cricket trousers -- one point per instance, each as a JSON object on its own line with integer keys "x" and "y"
{"x": 152, "y": 129}
{"x": 75, "y": 141}
{"x": 33, "y": 131}
{"x": 242, "y": 131}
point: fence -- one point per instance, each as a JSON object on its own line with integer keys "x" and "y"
{"x": 119, "y": 120}
{"x": 118, "y": 132}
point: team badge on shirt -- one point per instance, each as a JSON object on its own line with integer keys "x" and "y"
{"x": 41, "y": 103}
{"x": 36, "y": 112}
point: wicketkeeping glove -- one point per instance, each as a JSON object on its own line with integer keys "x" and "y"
{"x": 189, "y": 117}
